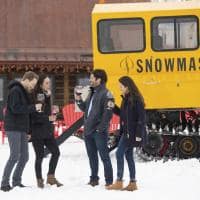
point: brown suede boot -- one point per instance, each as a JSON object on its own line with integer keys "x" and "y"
{"x": 131, "y": 186}
{"x": 53, "y": 181}
{"x": 118, "y": 185}
{"x": 40, "y": 183}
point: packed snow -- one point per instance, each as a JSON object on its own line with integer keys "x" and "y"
{"x": 156, "y": 180}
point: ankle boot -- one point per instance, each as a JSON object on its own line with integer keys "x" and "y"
{"x": 53, "y": 181}
{"x": 118, "y": 185}
{"x": 131, "y": 186}
{"x": 40, "y": 183}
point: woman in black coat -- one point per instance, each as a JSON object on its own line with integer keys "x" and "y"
{"x": 42, "y": 132}
{"x": 132, "y": 131}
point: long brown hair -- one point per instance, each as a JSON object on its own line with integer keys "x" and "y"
{"x": 133, "y": 89}
{"x": 41, "y": 79}
{"x": 38, "y": 88}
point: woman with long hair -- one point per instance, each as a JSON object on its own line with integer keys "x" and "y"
{"x": 42, "y": 130}
{"x": 132, "y": 131}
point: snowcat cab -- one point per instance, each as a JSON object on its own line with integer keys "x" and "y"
{"x": 158, "y": 45}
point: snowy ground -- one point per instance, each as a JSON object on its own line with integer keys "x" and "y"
{"x": 156, "y": 180}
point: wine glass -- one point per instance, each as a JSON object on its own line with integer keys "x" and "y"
{"x": 40, "y": 98}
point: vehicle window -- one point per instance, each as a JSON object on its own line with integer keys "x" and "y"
{"x": 121, "y": 35}
{"x": 174, "y": 33}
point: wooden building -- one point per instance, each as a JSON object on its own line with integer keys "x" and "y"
{"x": 47, "y": 36}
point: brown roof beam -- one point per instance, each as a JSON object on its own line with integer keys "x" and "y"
{"x": 102, "y": 1}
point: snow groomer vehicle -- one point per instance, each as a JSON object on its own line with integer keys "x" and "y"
{"x": 158, "y": 45}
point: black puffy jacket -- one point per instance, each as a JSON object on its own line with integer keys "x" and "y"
{"x": 18, "y": 108}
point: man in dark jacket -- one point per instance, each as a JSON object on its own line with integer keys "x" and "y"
{"x": 17, "y": 125}
{"x": 98, "y": 113}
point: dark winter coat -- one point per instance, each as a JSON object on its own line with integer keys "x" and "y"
{"x": 101, "y": 112}
{"x": 132, "y": 121}
{"x": 18, "y": 108}
{"x": 41, "y": 127}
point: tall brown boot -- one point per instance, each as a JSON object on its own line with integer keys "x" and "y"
{"x": 53, "y": 181}
{"x": 118, "y": 185}
{"x": 131, "y": 186}
{"x": 40, "y": 183}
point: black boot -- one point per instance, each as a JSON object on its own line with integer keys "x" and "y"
{"x": 6, "y": 188}
{"x": 93, "y": 183}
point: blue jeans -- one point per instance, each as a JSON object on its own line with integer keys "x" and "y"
{"x": 97, "y": 142}
{"x": 18, "y": 143}
{"x": 122, "y": 150}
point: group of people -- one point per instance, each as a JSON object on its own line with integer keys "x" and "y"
{"x": 28, "y": 116}
{"x": 98, "y": 108}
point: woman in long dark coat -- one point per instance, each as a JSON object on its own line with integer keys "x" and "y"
{"x": 132, "y": 131}
{"x": 42, "y": 130}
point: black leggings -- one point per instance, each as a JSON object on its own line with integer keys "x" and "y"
{"x": 52, "y": 146}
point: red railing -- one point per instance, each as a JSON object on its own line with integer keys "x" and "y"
{"x": 70, "y": 117}
{"x": 2, "y": 131}
{"x": 59, "y": 128}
